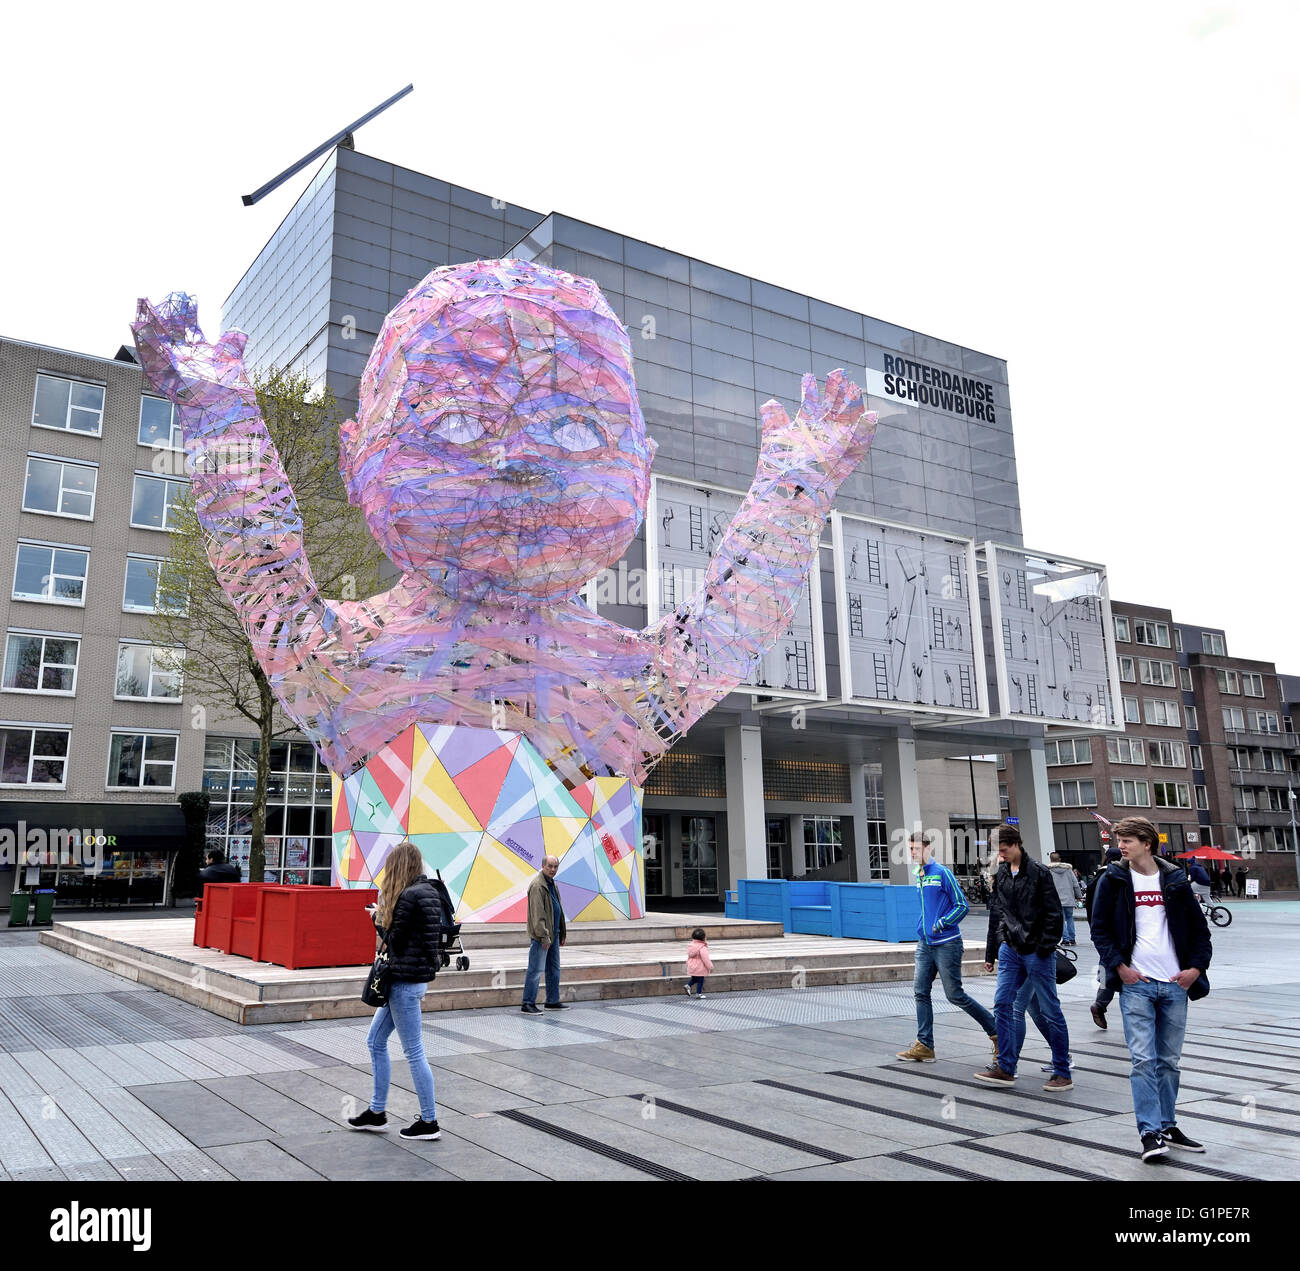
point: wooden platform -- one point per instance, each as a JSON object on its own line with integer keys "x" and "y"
{"x": 601, "y": 960}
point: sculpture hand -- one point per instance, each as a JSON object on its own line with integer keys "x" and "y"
{"x": 178, "y": 362}
{"x": 831, "y": 429}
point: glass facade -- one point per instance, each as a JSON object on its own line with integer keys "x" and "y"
{"x": 298, "y": 807}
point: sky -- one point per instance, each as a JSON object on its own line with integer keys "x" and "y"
{"x": 1103, "y": 195}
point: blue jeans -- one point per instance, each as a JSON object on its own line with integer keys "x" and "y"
{"x": 696, "y": 982}
{"x": 537, "y": 957}
{"x": 1067, "y": 912}
{"x": 402, "y": 1011}
{"x": 1014, "y": 971}
{"x": 1155, "y": 1017}
{"x": 1027, "y": 1002}
{"x": 943, "y": 960}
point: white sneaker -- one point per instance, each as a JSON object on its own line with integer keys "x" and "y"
{"x": 688, "y": 991}
{"x": 700, "y": 994}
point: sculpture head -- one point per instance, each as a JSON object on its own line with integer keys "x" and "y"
{"x": 498, "y": 440}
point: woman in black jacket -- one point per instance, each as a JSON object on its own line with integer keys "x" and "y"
{"x": 408, "y": 916}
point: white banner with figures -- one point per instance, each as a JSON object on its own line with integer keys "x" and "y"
{"x": 1053, "y": 640}
{"x": 907, "y": 608}
{"x": 685, "y": 521}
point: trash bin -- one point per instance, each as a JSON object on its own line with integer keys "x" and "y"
{"x": 19, "y": 903}
{"x": 44, "y": 908}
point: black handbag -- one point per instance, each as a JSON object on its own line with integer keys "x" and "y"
{"x": 379, "y": 980}
{"x": 1065, "y": 968}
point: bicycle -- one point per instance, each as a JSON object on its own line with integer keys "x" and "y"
{"x": 1219, "y": 915}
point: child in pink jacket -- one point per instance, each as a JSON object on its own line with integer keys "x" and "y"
{"x": 698, "y": 963}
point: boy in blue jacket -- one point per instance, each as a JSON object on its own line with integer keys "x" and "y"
{"x": 939, "y": 951}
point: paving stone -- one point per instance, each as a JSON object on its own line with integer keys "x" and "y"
{"x": 262, "y": 1160}
{"x": 278, "y": 1112}
{"x": 346, "y": 1154}
{"x": 203, "y": 1118}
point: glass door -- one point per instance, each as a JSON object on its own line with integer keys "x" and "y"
{"x": 699, "y": 856}
{"x": 654, "y": 847}
{"x": 778, "y": 846}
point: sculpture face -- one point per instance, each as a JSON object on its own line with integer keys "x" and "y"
{"x": 499, "y": 445}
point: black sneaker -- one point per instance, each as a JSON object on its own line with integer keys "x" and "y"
{"x": 1153, "y": 1145}
{"x": 369, "y": 1120}
{"x": 421, "y": 1130}
{"x": 1176, "y": 1138}
{"x": 531, "y": 1008}
{"x": 556, "y": 1006}
{"x": 1098, "y": 1016}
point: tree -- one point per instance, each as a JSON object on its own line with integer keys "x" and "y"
{"x": 194, "y": 616}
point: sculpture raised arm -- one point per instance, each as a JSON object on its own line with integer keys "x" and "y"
{"x": 711, "y": 642}
{"x": 242, "y": 496}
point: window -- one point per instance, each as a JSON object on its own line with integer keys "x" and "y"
{"x": 1234, "y": 719}
{"x": 1152, "y": 672}
{"x": 1126, "y": 750}
{"x": 1071, "y": 750}
{"x": 143, "y": 591}
{"x": 159, "y": 425}
{"x": 1277, "y": 801}
{"x": 1145, "y": 632}
{"x": 1130, "y": 794}
{"x": 136, "y": 760}
{"x": 1195, "y": 754}
{"x": 1190, "y": 713}
{"x": 1171, "y": 794}
{"x": 149, "y": 671}
{"x": 1178, "y": 640}
{"x": 1202, "y": 799}
{"x": 1126, "y": 672}
{"x": 53, "y": 574}
{"x": 1227, "y": 680}
{"x": 1160, "y": 711}
{"x": 1266, "y": 722}
{"x": 1122, "y": 629}
{"x": 1213, "y": 644}
{"x": 60, "y": 488}
{"x": 1252, "y": 684}
{"x": 1131, "y": 711}
{"x": 1002, "y": 763}
{"x": 68, "y": 405}
{"x": 1004, "y": 799}
{"x": 153, "y": 502}
{"x": 1072, "y": 794}
{"x": 33, "y": 756}
{"x": 1272, "y": 761}
{"x": 822, "y": 842}
{"x": 1239, "y": 757}
{"x": 1168, "y": 754}
{"x": 1243, "y": 798}
{"x": 41, "y": 664}
{"x": 1185, "y": 679}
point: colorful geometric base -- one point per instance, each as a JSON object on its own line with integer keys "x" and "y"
{"x": 483, "y": 807}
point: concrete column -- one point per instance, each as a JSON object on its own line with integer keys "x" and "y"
{"x": 902, "y": 802}
{"x": 746, "y": 831}
{"x": 858, "y": 793}
{"x": 1029, "y": 771}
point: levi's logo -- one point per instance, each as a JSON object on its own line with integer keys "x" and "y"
{"x": 1154, "y": 899}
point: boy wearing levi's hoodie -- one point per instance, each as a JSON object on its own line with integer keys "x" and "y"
{"x": 698, "y": 963}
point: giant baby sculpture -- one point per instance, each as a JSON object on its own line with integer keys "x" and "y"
{"x": 500, "y": 457}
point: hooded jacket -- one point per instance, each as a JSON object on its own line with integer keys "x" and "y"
{"x": 415, "y": 934}
{"x": 1114, "y": 923}
{"x": 1024, "y": 910}
{"x": 943, "y": 904}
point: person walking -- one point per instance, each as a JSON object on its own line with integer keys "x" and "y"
{"x": 1105, "y": 994}
{"x": 698, "y": 963}
{"x": 1069, "y": 891}
{"x": 1241, "y": 881}
{"x": 939, "y": 951}
{"x": 546, "y": 932}
{"x": 1228, "y": 886}
{"x": 1024, "y": 928}
{"x": 409, "y": 917}
{"x": 1154, "y": 942}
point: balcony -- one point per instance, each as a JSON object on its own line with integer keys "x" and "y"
{"x": 1256, "y": 777}
{"x": 1246, "y": 737}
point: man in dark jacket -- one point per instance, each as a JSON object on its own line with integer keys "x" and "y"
{"x": 1154, "y": 943}
{"x": 1025, "y": 924}
{"x": 546, "y": 933}
{"x": 219, "y": 870}
{"x": 1105, "y": 994}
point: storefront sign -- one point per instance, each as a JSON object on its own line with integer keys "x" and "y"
{"x": 937, "y": 388}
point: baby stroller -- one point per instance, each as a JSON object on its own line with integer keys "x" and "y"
{"x": 449, "y": 931}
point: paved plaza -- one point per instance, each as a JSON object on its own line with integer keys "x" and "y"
{"x": 104, "y": 1079}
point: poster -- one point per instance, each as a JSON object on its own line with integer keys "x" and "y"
{"x": 685, "y": 521}
{"x": 907, "y": 609}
